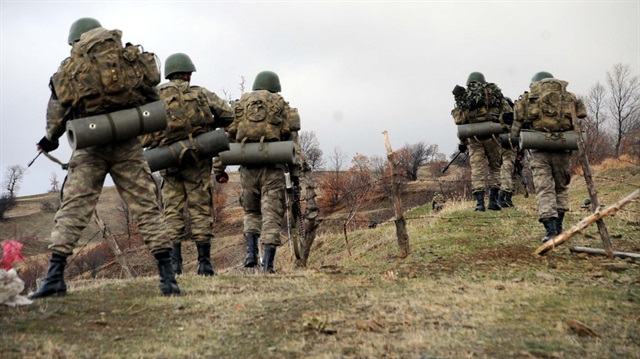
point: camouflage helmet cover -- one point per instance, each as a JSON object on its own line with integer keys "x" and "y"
{"x": 81, "y": 26}
{"x": 267, "y": 80}
{"x": 587, "y": 201}
{"x": 476, "y": 76}
{"x": 178, "y": 62}
{"x": 541, "y": 76}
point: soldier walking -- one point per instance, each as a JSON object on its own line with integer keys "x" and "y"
{"x": 191, "y": 111}
{"x": 76, "y": 96}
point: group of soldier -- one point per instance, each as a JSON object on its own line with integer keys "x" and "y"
{"x": 191, "y": 110}
{"x": 493, "y": 159}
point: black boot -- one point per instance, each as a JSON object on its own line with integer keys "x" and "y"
{"x": 502, "y": 199}
{"x": 176, "y": 257}
{"x": 168, "y": 283}
{"x": 251, "y": 260}
{"x": 550, "y": 227}
{"x": 559, "y": 221}
{"x": 53, "y": 285}
{"x": 268, "y": 258}
{"x": 493, "y": 199}
{"x": 480, "y": 201}
{"x": 507, "y": 199}
{"x": 204, "y": 259}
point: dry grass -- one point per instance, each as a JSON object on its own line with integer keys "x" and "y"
{"x": 470, "y": 288}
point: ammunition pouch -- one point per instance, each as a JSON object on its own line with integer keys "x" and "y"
{"x": 116, "y": 126}
{"x": 549, "y": 141}
{"x": 259, "y": 153}
{"x": 480, "y": 129}
{"x": 206, "y": 145}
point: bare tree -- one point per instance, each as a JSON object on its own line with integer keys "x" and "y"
{"x": 624, "y": 105}
{"x": 413, "y": 156}
{"x": 599, "y": 138}
{"x": 336, "y": 160}
{"x": 311, "y": 150}
{"x": 241, "y": 85}
{"x": 55, "y": 184}
{"x": 13, "y": 179}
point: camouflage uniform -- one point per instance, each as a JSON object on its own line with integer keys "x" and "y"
{"x": 438, "y": 202}
{"x": 507, "y": 174}
{"x": 87, "y": 169}
{"x": 189, "y": 185}
{"x": 550, "y": 169}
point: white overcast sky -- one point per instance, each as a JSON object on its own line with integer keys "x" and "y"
{"x": 353, "y": 69}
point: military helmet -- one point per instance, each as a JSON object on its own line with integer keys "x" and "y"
{"x": 476, "y": 76}
{"x": 267, "y": 80}
{"x": 587, "y": 201}
{"x": 81, "y": 26}
{"x": 541, "y": 76}
{"x": 178, "y": 62}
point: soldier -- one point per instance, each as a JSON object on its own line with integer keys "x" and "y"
{"x": 263, "y": 115}
{"x": 74, "y": 97}
{"x": 191, "y": 111}
{"x": 549, "y": 112}
{"x": 507, "y": 173}
{"x": 482, "y": 102}
{"x": 437, "y": 203}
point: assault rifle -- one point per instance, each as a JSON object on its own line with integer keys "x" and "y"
{"x": 466, "y": 153}
{"x": 517, "y": 168}
{"x": 63, "y": 165}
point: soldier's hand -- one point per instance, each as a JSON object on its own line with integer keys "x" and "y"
{"x": 462, "y": 147}
{"x": 46, "y": 145}
{"x": 222, "y": 177}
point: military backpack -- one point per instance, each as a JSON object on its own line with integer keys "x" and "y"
{"x": 260, "y": 116}
{"x": 102, "y": 75}
{"x": 481, "y": 100}
{"x": 188, "y": 112}
{"x": 549, "y": 106}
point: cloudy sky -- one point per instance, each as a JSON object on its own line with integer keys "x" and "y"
{"x": 353, "y": 68}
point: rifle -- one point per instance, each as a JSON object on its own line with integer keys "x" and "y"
{"x": 517, "y": 168}
{"x": 453, "y": 160}
{"x": 63, "y": 165}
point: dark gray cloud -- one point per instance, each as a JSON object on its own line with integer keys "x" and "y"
{"x": 353, "y": 69}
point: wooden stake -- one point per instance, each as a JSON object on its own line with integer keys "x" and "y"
{"x": 593, "y": 193}
{"x": 401, "y": 225}
{"x": 113, "y": 245}
{"x": 566, "y": 235}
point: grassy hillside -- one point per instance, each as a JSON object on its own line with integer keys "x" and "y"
{"x": 470, "y": 288}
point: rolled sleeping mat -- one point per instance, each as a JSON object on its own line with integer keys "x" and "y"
{"x": 206, "y": 145}
{"x": 480, "y": 129}
{"x": 259, "y": 154}
{"x": 549, "y": 141}
{"x": 507, "y": 141}
{"x": 116, "y": 126}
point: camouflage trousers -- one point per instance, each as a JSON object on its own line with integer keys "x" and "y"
{"x": 190, "y": 188}
{"x": 484, "y": 154}
{"x": 263, "y": 202}
{"x": 126, "y": 164}
{"x": 551, "y": 179}
{"x": 507, "y": 174}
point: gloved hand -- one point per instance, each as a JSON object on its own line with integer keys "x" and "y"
{"x": 222, "y": 177}
{"x": 462, "y": 147}
{"x": 46, "y": 145}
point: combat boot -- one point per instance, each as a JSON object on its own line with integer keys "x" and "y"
{"x": 559, "y": 221}
{"x": 507, "y": 199}
{"x": 480, "y": 201}
{"x": 53, "y": 285}
{"x": 550, "y": 227}
{"x": 176, "y": 257}
{"x": 502, "y": 199}
{"x": 268, "y": 258}
{"x": 493, "y": 199}
{"x": 168, "y": 283}
{"x": 204, "y": 259}
{"x": 251, "y": 260}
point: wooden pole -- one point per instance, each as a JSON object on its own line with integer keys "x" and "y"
{"x": 593, "y": 193}
{"x": 401, "y": 225}
{"x": 113, "y": 245}
{"x": 602, "y": 252}
{"x": 566, "y": 235}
